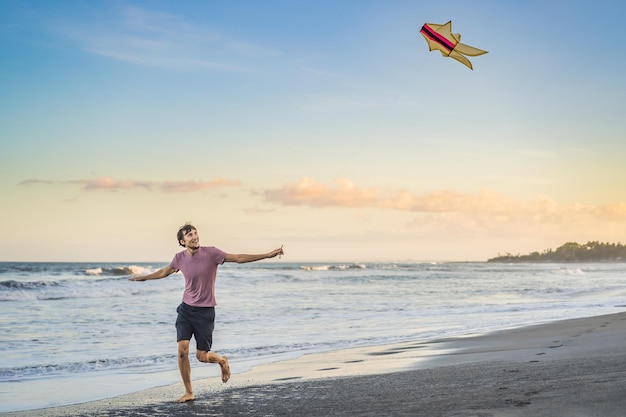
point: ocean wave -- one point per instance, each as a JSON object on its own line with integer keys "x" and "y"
{"x": 118, "y": 270}
{"x": 7, "y": 374}
{"x": 338, "y": 267}
{"x": 569, "y": 271}
{"x": 70, "y": 269}
{"x": 29, "y": 268}
{"x": 12, "y": 290}
{"x": 28, "y": 285}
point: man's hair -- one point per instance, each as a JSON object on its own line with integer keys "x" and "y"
{"x": 182, "y": 231}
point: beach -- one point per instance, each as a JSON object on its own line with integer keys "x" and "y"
{"x": 573, "y": 367}
{"x": 78, "y": 332}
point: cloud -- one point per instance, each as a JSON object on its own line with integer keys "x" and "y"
{"x": 190, "y": 186}
{"x": 164, "y": 40}
{"x": 344, "y": 193}
{"x": 311, "y": 193}
{"x": 484, "y": 205}
{"x": 110, "y": 184}
{"x": 35, "y": 182}
{"x": 615, "y": 211}
{"x": 481, "y": 217}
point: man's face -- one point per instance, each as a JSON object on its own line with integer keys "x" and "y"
{"x": 191, "y": 239}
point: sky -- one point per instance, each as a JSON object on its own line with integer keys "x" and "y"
{"x": 324, "y": 126}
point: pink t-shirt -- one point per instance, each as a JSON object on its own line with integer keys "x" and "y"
{"x": 200, "y": 271}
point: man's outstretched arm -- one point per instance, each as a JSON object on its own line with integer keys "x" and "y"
{"x": 161, "y": 273}
{"x": 243, "y": 258}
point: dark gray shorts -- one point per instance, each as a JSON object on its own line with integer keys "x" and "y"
{"x": 198, "y": 322}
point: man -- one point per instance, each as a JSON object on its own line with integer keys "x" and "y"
{"x": 196, "y": 314}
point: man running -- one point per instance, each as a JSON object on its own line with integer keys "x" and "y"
{"x": 196, "y": 313}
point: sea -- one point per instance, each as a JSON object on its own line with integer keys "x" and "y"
{"x": 75, "y": 332}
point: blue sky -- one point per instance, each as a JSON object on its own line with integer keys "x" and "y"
{"x": 324, "y": 126}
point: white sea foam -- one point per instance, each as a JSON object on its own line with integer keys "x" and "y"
{"x": 569, "y": 271}
{"x": 333, "y": 267}
{"x": 117, "y": 271}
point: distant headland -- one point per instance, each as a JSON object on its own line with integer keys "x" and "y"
{"x": 571, "y": 252}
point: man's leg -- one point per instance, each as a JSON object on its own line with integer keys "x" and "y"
{"x": 210, "y": 357}
{"x": 185, "y": 370}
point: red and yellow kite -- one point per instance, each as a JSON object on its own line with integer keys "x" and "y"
{"x": 441, "y": 38}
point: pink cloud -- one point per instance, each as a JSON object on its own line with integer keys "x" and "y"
{"x": 344, "y": 193}
{"x": 449, "y": 201}
{"x": 107, "y": 183}
{"x": 312, "y": 193}
{"x": 613, "y": 211}
{"x": 110, "y": 184}
{"x": 190, "y": 186}
{"x": 482, "y": 206}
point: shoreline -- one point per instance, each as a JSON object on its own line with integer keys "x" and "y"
{"x": 544, "y": 369}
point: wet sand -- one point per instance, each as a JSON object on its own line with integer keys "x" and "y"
{"x": 566, "y": 368}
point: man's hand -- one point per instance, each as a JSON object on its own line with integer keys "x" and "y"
{"x": 137, "y": 278}
{"x": 277, "y": 252}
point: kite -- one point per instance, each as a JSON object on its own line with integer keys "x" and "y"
{"x": 441, "y": 38}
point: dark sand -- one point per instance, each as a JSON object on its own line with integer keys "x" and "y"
{"x": 567, "y": 368}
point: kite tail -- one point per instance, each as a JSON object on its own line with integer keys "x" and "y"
{"x": 468, "y": 50}
{"x": 454, "y": 54}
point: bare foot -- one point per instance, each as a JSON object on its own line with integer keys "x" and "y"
{"x": 187, "y": 397}
{"x": 225, "y": 369}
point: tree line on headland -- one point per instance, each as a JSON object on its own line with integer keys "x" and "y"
{"x": 572, "y": 252}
